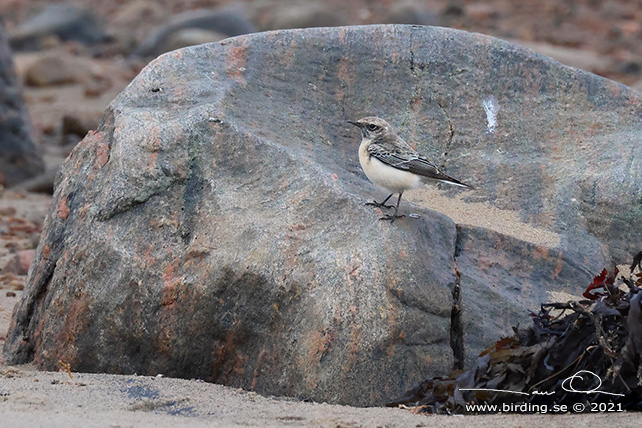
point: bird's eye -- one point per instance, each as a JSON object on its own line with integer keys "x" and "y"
{"x": 373, "y": 127}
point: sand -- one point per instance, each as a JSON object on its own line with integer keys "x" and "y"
{"x": 34, "y": 399}
{"x": 481, "y": 214}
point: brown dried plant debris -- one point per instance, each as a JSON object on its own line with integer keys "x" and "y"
{"x": 571, "y": 351}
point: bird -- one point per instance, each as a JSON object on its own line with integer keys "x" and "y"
{"x": 391, "y": 163}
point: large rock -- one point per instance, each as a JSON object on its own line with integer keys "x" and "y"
{"x": 19, "y": 158}
{"x": 214, "y": 227}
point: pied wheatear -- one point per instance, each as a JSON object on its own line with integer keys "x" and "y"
{"x": 391, "y": 163}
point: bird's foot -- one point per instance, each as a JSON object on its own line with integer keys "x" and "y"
{"x": 391, "y": 218}
{"x": 378, "y": 204}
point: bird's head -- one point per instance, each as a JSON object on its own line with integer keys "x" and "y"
{"x": 372, "y": 127}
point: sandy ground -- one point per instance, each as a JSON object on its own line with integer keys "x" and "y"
{"x": 45, "y": 399}
{"x": 30, "y": 398}
{"x": 34, "y": 399}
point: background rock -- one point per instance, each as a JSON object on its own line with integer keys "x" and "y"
{"x": 65, "y": 21}
{"x": 191, "y": 37}
{"x": 20, "y": 263}
{"x": 19, "y": 158}
{"x": 59, "y": 68}
{"x": 137, "y": 11}
{"x": 42, "y": 183}
{"x": 80, "y": 122}
{"x": 213, "y": 227}
{"x": 301, "y": 15}
{"x": 55, "y": 69}
{"x": 480, "y": 11}
{"x": 578, "y": 58}
{"x": 228, "y": 22}
{"x": 410, "y": 12}
{"x": 96, "y": 82}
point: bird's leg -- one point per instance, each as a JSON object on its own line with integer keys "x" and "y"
{"x": 393, "y": 217}
{"x": 380, "y": 204}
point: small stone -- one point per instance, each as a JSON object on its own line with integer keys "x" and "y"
{"x": 8, "y": 211}
{"x": 26, "y": 258}
{"x": 480, "y": 11}
{"x": 18, "y": 284}
{"x": 53, "y": 70}
{"x": 134, "y": 12}
{"x": 95, "y": 86}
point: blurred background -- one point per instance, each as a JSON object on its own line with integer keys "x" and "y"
{"x": 73, "y": 57}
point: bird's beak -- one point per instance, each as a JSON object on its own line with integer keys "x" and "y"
{"x": 355, "y": 123}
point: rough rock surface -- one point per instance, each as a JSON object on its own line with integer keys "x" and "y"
{"x": 19, "y": 158}
{"x": 213, "y": 227}
{"x": 502, "y": 279}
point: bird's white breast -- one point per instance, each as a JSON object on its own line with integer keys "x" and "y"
{"x": 392, "y": 179}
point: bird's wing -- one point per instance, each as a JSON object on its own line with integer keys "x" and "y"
{"x": 407, "y": 159}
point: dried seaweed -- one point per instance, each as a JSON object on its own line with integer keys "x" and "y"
{"x": 586, "y": 351}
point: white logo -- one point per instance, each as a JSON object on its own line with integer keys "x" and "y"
{"x": 567, "y": 385}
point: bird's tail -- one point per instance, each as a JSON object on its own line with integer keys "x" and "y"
{"x": 452, "y": 181}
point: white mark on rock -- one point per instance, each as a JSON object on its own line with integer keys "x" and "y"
{"x": 491, "y": 107}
